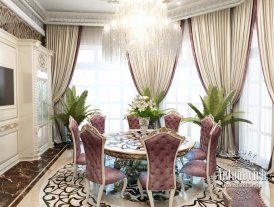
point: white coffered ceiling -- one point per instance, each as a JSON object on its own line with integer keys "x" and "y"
{"x": 99, "y": 12}
{"x": 86, "y": 6}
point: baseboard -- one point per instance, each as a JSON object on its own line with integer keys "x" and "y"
{"x": 9, "y": 164}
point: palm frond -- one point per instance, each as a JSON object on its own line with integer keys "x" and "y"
{"x": 199, "y": 114}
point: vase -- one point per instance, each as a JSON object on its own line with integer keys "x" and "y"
{"x": 144, "y": 122}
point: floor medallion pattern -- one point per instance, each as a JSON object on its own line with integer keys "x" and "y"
{"x": 59, "y": 191}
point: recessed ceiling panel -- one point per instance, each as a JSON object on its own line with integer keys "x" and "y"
{"x": 86, "y": 6}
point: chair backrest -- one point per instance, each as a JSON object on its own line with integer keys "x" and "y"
{"x": 172, "y": 120}
{"x": 98, "y": 121}
{"x": 74, "y": 129}
{"x": 162, "y": 147}
{"x": 206, "y": 126}
{"x": 133, "y": 122}
{"x": 94, "y": 143}
{"x": 212, "y": 148}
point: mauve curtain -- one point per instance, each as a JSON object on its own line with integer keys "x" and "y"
{"x": 221, "y": 42}
{"x": 154, "y": 73}
{"x": 64, "y": 41}
{"x": 265, "y": 22}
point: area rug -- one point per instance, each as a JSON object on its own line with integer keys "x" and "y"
{"x": 58, "y": 191}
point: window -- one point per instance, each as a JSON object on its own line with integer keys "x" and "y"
{"x": 257, "y": 105}
{"x": 110, "y": 86}
{"x": 186, "y": 87}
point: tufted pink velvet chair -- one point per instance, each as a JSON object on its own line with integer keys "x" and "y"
{"x": 161, "y": 151}
{"x": 172, "y": 120}
{"x": 78, "y": 157}
{"x": 200, "y": 153}
{"x": 206, "y": 169}
{"x": 96, "y": 171}
{"x": 98, "y": 121}
{"x": 243, "y": 195}
{"x": 133, "y": 122}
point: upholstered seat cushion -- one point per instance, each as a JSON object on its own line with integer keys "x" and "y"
{"x": 113, "y": 175}
{"x": 143, "y": 179}
{"x": 243, "y": 196}
{"x": 155, "y": 186}
{"x": 81, "y": 160}
{"x": 196, "y": 154}
{"x": 197, "y": 168}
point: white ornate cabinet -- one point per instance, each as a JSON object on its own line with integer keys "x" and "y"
{"x": 34, "y": 94}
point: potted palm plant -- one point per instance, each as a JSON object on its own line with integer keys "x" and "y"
{"x": 217, "y": 105}
{"x": 74, "y": 105}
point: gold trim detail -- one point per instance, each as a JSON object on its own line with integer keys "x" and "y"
{"x": 8, "y": 127}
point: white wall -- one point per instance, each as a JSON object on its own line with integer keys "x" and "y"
{"x": 9, "y": 154}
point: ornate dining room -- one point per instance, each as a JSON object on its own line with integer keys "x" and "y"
{"x": 136, "y": 103}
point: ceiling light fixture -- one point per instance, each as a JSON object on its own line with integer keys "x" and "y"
{"x": 141, "y": 26}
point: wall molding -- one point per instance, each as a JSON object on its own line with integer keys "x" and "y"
{"x": 8, "y": 127}
{"x": 34, "y": 14}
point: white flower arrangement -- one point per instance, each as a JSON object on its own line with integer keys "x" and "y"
{"x": 142, "y": 106}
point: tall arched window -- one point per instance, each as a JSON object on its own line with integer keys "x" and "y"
{"x": 255, "y": 139}
{"x": 110, "y": 86}
{"x": 186, "y": 87}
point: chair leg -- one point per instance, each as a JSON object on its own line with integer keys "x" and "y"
{"x": 214, "y": 183}
{"x": 210, "y": 187}
{"x": 167, "y": 193}
{"x": 75, "y": 167}
{"x": 124, "y": 187}
{"x": 100, "y": 193}
{"x": 172, "y": 192}
{"x": 150, "y": 196}
{"x": 87, "y": 192}
{"x": 181, "y": 175}
{"x": 140, "y": 189}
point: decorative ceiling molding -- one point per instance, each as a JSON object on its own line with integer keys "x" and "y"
{"x": 198, "y": 8}
{"x": 25, "y": 14}
{"x": 31, "y": 12}
{"x": 35, "y": 7}
{"x": 73, "y": 18}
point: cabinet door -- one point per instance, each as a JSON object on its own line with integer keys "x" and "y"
{"x": 42, "y": 97}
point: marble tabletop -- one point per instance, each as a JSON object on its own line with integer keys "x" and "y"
{"x": 127, "y": 145}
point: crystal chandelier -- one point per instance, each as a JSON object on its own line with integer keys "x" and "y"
{"x": 141, "y": 26}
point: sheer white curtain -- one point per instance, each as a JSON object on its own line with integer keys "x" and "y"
{"x": 185, "y": 87}
{"x": 110, "y": 86}
{"x": 257, "y": 105}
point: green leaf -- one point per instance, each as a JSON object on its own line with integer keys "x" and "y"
{"x": 217, "y": 105}
{"x": 199, "y": 114}
{"x": 195, "y": 120}
{"x": 74, "y": 106}
{"x": 229, "y": 121}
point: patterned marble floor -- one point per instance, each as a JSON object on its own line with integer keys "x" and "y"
{"x": 19, "y": 180}
{"x": 35, "y": 196}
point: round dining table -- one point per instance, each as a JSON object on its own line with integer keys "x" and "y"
{"x": 128, "y": 145}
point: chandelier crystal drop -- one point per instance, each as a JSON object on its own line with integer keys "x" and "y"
{"x": 141, "y": 26}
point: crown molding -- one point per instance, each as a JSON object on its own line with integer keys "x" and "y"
{"x": 199, "y": 8}
{"x": 34, "y": 14}
{"x": 76, "y": 18}
{"x": 25, "y": 14}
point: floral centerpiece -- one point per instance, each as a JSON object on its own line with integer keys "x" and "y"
{"x": 142, "y": 106}
{"x": 145, "y": 109}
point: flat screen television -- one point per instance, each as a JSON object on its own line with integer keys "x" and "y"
{"x": 6, "y": 86}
